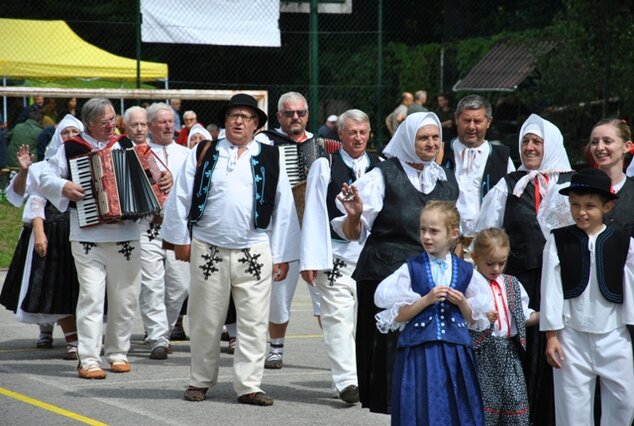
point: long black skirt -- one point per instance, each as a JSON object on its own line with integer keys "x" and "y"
{"x": 10, "y": 294}
{"x": 375, "y": 353}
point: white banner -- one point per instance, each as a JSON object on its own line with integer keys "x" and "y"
{"x": 218, "y": 22}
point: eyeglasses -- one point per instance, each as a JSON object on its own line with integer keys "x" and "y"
{"x": 107, "y": 122}
{"x": 290, "y": 114}
{"x": 245, "y": 118}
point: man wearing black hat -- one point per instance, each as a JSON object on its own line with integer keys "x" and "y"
{"x": 585, "y": 306}
{"x": 235, "y": 197}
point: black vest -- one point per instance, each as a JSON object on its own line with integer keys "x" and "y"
{"x": 395, "y": 233}
{"x": 494, "y": 170}
{"x": 265, "y": 169}
{"x": 622, "y": 216}
{"x": 340, "y": 173}
{"x": 520, "y": 223}
{"x": 611, "y": 249}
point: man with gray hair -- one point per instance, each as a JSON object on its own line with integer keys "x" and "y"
{"x": 476, "y": 162}
{"x": 164, "y": 280}
{"x": 292, "y": 114}
{"x": 106, "y": 255}
{"x": 328, "y": 264}
{"x": 135, "y": 119}
{"x": 420, "y": 98}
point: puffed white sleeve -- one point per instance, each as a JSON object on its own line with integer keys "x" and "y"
{"x": 551, "y": 309}
{"x": 480, "y": 300}
{"x": 316, "y": 250}
{"x": 177, "y": 205}
{"x": 493, "y": 207}
{"x": 285, "y": 233}
{"x": 53, "y": 179}
{"x": 392, "y": 293}
{"x": 34, "y": 208}
{"x": 371, "y": 187}
{"x": 525, "y": 301}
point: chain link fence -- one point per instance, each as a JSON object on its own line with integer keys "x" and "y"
{"x": 366, "y": 58}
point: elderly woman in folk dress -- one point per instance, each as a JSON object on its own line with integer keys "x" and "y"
{"x": 521, "y": 204}
{"x": 382, "y": 209}
{"x": 41, "y": 284}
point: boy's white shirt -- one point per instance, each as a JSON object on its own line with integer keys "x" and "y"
{"x": 590, "y": 312}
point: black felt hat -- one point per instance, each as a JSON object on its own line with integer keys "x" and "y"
{"x": 242, "y": 99}
{"x": 593, "y": 181}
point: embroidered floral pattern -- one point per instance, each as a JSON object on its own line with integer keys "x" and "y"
{"x": 126, "y": 249}
{"x": 87, "y": 246}
{"x": 335, "y": 272}
{"x": 211, "y": 259}
{"x": 254, "y": 268}
{"x": 153, "y": 231}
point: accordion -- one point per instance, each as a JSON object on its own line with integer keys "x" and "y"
{"x": 299, "y": 157}
{"x": 119, "y": 184}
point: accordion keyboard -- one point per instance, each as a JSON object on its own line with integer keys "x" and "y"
{"x": 293, "y": 164}
{"x": 87, "y": 207}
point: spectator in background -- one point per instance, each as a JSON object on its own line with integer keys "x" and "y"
{"x": 329, "y": 129}
{"x": 135, "y": 119}
{"x": 176, "y": 109}
{"x": 38, "y": 103}
{"x": 214, "y": 131}
{"x": 43, "y": 139}
{"x": 397, "y": 116}
{"x": 25, "y": 133}
{"x": 49, "y": 113}
{"x": 70, "y": 108}
{"x": 420, "y": 98}
{"x": 120, "y": 125}
{"x": 445, "y": 114}
{"x": 189, "y": 118}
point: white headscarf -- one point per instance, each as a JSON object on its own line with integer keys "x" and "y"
{"x": 403, "y": 146}
{"x": 197, "y": 128}
{"x": 56, "y": 141}
{"x": 554, "y": 158}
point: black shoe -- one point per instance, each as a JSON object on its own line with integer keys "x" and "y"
{"x": 256, "y": 398}
{"x": 159, "y": 352}
{"x": 350, "y": 394}
{"x": 178, "y": 334}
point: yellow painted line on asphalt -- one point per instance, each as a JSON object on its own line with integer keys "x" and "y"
{"x": 306, "y": 336}
{"x": 49, "y": 407}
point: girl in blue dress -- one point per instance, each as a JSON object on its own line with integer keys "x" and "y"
{"x": 433, "y": 299}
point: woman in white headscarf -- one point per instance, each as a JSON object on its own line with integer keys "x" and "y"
{"x": 382, "y": 209}
{"x": 197, "y": 134}
{"x": 524, "y": 204}
{"x": 41, "y": 284}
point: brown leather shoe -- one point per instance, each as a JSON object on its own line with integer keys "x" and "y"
{"x": 195, "y": 394}
{"x": 93, "y": 373}
{"x": 256, "y": 398}
{"x": 120, "y": 367}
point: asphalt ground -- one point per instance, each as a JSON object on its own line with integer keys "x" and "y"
{"x": 37, "y": 387}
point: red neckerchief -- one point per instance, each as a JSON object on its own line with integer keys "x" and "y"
{"x": 496, "y": 286}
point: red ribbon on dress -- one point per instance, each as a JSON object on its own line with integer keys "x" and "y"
{"x": 538, "y": 195}
{"x": 496, "y": 286}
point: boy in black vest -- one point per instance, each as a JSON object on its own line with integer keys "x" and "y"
{"x": 587, "y": 300}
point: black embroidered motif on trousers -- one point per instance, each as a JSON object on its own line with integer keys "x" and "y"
{"x": 335, "y": 272}
{"x": 210, "y": 262}
{"x": 153, "y": 231}
{"x": 87, "y": 246}
{"x": 126, "y": 249}
{"x": 254, "y": 268}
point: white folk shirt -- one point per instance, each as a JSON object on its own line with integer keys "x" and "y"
{"x": 505, "y": 316}
{"x": 470, "y": 165}
{"x": 56, "y": 174}
{"x": 318, "y": 248}
{"x": 173, "y": 156}
{"x": 590, "y": 312}
{"x": 371, "y": 188}
{"x": 228, "y": 218}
